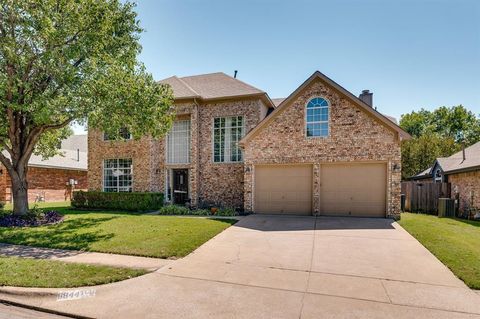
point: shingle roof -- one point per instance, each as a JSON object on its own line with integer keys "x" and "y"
{"x": 456, "y": 162}
{"x": 180, "y": 89}
{"x": 278, "y": 101}
{"x": 210, "y": 86}
{"x": 71, "y": 159}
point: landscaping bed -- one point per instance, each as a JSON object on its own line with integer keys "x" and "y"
{"x": 455, "y": 242}
{"x": 26, "y": 272}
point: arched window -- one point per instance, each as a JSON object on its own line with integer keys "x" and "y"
{"x": 317, "y": 117}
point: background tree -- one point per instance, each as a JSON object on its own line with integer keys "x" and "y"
{"x": 438, "y": 133}
{"x": 67, "y": 60}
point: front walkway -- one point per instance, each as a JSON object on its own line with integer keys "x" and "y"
{"x": 285, "y": 267}
{"x": 73, "y": 256}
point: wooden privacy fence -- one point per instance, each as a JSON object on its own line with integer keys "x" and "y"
{"x": 423, "y": 197}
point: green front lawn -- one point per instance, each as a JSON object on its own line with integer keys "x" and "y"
{"x": 455, "y": 242}
{"x": 120, "y": 233}
{"x": 24, "y": 272}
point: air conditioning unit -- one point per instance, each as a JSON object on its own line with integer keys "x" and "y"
{"x": 446, "y": 207}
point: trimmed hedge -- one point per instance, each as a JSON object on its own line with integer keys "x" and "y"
{"x": 135, "y": 201}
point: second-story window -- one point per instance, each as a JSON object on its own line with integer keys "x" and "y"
{"x": 227, "y": 132}
{"x": 178, "y": 143}
{"x": 123, "y": 133}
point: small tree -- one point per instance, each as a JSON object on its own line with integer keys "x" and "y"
{"x": 71, "y": 60}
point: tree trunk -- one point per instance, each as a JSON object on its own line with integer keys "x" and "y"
{"x": 20, "y": 192}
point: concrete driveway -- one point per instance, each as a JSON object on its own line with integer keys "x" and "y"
{"x": 292, "y": 267}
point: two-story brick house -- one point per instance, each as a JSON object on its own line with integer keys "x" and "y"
{"x": 319, "y": 151}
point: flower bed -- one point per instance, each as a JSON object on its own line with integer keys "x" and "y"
{"x": 31, "y": 219}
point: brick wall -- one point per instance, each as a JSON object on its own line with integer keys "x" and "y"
{"x": 354, "y": 136}
{"x": 138, "y": 150}
{"x": 467, "y": 185}
{"x": 51, "y": 182}
{"x": 221, "y": 183}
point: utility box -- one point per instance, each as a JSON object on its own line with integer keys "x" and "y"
{"x": 446, "y": 207}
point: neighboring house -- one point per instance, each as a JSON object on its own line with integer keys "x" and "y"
{"x": 321, "y": 150}
{"x": 462, "y": 170}
{"x": 50, "y": 180}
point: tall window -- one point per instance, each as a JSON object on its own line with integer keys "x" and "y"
{"x": 227, "y": 132}
{"x": 117, "y": 175}
{"x": 317, "y": 117}
{"x": 123, "y": 133}
{"x": 178, "y": 143}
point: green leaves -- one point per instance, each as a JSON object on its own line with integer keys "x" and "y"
{"x": 454, "y": 122}
{"x": 436, "y": 134}
{"x": 65, "y": 60}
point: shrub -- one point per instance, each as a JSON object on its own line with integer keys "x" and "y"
{"x": 2, "y": 205}
{"x": 201, "y": 212}
{"x": 174, "y": 210}
{"x": 135, "y": 201}
{"x": 36, "y": 218}
{"x": 226, "y": 212}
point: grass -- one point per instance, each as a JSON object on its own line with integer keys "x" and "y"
{"x": 455, "y": 242}
{"x": 53, "y": 205}
{"x": 120, "y": 233}
{"x": 25, "y": 272}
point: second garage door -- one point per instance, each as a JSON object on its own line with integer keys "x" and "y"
{"x": 353, "y": 189}
{"x": 283, "y": 189}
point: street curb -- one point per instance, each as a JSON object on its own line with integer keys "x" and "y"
{"x": 45, "y": 310}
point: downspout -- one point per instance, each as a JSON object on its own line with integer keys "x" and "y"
{"x": 197, "y": 170}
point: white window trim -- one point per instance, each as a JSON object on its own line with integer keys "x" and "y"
{"x": 103, "y": 172}
{"x": 188, "y": 147}
{"x": 213, "y": 139}
{"x": 317, "y": 122}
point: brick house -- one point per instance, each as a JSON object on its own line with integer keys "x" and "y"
{"x": 231, "y": 145}
{"x": 462, "y": 170}
{"x": 50, "y": 179}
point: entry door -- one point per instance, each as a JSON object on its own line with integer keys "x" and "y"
{"x": 180, "y": 186}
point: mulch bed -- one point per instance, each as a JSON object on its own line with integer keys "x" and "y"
{"x": 31, "y": 220}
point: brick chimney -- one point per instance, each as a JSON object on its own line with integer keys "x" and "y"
{"x": 366, "y": 97}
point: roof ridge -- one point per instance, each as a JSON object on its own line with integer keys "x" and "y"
{"x": 188, "y": 86}
{"x": 253, "y": 87}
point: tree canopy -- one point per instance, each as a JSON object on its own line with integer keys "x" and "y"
{"x": 66, "y": 60}
{"x": 438, "y": 133}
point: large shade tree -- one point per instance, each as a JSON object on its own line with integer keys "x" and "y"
{"x": 71, "y": 60}
{"x": 437, "y": 133}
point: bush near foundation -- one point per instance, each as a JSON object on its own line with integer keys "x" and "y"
{"x": 134, "y": 201}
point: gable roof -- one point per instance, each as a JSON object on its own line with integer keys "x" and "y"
{"x": 74, "y": 156}
{"x": 318, "y": 75}
{"x": 211, "y": 86}
{"x": 278, "y": 101}
{"x": 456, "y": 163}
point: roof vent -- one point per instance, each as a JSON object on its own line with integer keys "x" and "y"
{"x": 367, "y": 97}
{"x": 235, "y": 74}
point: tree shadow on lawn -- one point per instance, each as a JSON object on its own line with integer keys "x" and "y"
{"x": 475, "y": 223}
{"x": 71, "y": 234}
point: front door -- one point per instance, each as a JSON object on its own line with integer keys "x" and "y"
{"x": 180, "y": 186}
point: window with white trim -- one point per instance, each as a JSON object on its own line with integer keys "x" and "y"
{"x": 117, "y": 175}
{"x": 178, "y": 143}
{"x": 227, "y": 132}
{"x": 317, "y": 118}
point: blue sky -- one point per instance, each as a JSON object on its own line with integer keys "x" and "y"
{"x": 411, "y": 54}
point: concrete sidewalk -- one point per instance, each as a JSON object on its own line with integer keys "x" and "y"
{"x": 284, "y": 267}
{"x": 73, "y": 256}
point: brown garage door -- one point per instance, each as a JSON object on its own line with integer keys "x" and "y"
{"x": 283, "y": 189}
{"x": 353, "y": 190}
